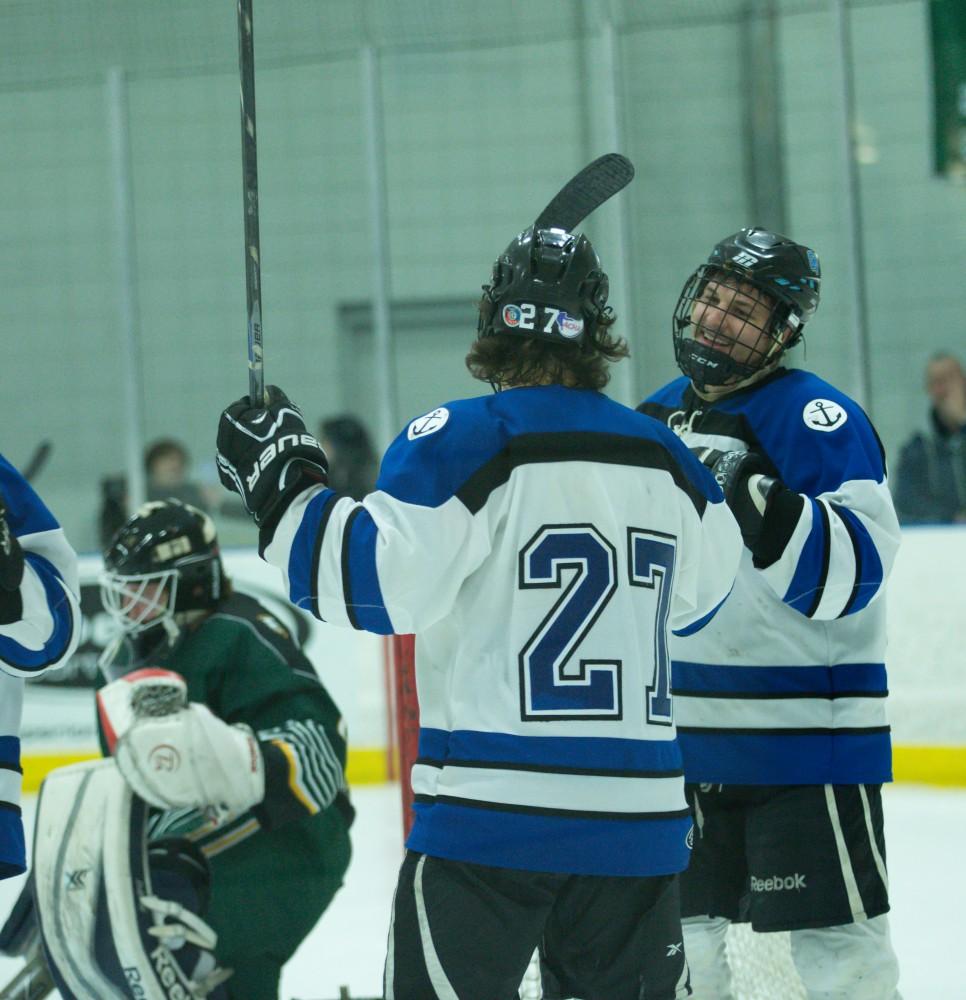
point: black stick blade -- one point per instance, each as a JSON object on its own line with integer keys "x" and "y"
{"x": 597, "y": 182}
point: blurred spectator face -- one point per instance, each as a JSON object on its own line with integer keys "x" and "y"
{"x": 167, "y": 468}
{"x": 946, "y": 385}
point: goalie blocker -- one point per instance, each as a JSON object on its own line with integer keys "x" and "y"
{"x": 112, "y": 924}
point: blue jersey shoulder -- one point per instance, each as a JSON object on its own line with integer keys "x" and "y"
{"x": 671, "y": 394}
{"x": 438, "y": 451}
{"x": 817, "y": 436}
{"x": 26, "y": 512}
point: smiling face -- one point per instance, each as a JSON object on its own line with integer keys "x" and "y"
{"x": 735, "y": 318}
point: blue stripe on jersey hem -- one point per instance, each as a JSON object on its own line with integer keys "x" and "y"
{"x": 301, "y": 585}
{"x": 58, "y": 605}
{"x": 542, "y": 843}
{"x": 591, "y": 752}
{"x": 701, "y": 622}
{"x": 809, "y": 576}
{"x": 13, "y": 853}
{"x": 10, "y": 751}
{"x": 367, "y": 602}
{"x": 764, "y": 759}
{"x": 712, "y": 679}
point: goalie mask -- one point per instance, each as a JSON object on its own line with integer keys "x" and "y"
{"x": 547, "y": 284}
{"x": 162, "y": 568}
{"x": 739, "y": 312}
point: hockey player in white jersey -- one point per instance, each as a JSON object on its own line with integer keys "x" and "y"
{"x": 780, "y": 701}
{"x": 39, "y": 629}
{"x": 540, "y": 541}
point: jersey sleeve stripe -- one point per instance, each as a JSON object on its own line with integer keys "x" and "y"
{"x": 805, "y": 591}
{"x": 868, "y": 565}
{"x": 350, "y": 609}
{"x": 294, "y": 777}
{"x": 55, "y": 606}
{"x": 314, "y": 772}
{"x": 364, "y": 603}
{"x": 699, "y": 624}
{"x": 302, "y": 571}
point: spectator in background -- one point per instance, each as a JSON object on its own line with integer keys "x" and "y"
{"x": 166, "y": 466}
{"x": 353, "y": 465}
{"x": 931, "y": 478}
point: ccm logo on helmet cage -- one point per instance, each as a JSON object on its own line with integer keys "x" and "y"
{"x": 524, "y": 317}
{"x": 276, "y": 448}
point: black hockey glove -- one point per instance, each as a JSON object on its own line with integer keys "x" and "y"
{"x": 266, "y": 455}
{"x": 747, "y": 490}
{"x": 11, "y": 571}
{"x": 11, "y": 555}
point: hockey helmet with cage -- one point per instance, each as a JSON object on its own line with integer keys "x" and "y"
{"x": 766, "y": 268}
{"x": 162, "y": 567}
{"x": 547, "y": 284}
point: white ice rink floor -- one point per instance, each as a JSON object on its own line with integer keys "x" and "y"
{"x": 925, "y": 835}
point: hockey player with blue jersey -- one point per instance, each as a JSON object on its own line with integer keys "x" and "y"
{"x": 540, "y": 541}
{"x": 39, "y": 629}
{"x": 780, "y": 701}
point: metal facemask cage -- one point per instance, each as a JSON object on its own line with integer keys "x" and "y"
{"x": 162, "y": 566}
{"x": 760, "y": 266}
{"x": 708, "y": 365}
{"x": 125, "y": 599}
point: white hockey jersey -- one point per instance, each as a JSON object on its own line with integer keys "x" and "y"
{"x": 788, "y": 684}
{"x": 540, "y": 542}
{"x": 44, "y": 635}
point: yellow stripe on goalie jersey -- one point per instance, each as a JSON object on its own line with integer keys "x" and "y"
{"x": 294, "y": 777}
{"x": 218, "y": 844}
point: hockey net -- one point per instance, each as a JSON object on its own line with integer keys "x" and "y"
{"x": 761, "y": 964}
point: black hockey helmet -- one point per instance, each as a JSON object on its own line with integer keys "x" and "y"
{"x": 547, "y": 284}
{"x": 161, "y": 566}
{"x": 782, "y": 274}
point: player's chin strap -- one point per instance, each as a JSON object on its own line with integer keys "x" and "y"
{"x": 106, "y": 931}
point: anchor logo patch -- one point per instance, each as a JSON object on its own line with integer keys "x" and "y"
{"x": 824, "y": 415}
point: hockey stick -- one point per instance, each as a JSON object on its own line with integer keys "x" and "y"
{"x": 37, "y": 461}
{"x": 253, "y": 285}
{"x": 32, "y": 981}
{"x": 597, "y": 182}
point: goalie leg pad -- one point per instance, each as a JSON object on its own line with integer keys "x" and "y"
{"x": 105, "y": 932}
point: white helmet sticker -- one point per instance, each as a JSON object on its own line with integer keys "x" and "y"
{"x": 570, "y": 326}
{"x": 428, "y": 424}
{"x": 824, "y": 415}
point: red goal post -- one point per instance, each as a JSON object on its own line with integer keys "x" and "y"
{"x": 403, "y": 717}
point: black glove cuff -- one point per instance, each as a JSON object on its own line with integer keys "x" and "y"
{"x": 11, "y": 606}
{"x": 302, "y": 476}
{"x": 781, "y": 517}
{"x": 11, "y": 559}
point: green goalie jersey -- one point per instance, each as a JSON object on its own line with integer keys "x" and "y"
{"x": 275, "y": 868}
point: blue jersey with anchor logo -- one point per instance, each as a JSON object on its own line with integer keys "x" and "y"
{"x": 787, "y": 684}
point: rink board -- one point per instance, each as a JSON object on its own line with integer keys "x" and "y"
{"x": 926, "y": 661}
